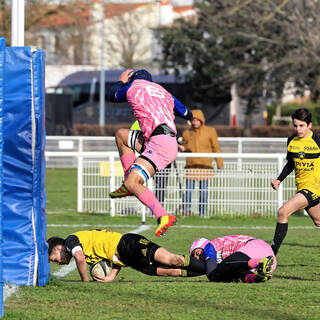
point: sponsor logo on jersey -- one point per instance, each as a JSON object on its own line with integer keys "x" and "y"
{"x": 301, "y": 155}
{"x": 304, "y": 165}
{"x": 307, "y": 148}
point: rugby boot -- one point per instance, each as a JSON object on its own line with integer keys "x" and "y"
{"x": 254, "y": 278}
{"x": 264, "y": 269}
{"x": 164, "y": 223}
{"x": 120, "y": 192}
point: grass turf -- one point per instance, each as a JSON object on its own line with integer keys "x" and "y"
{"x": 292, "y": 293}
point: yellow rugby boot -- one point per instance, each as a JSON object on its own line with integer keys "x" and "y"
{"x": 164, "y": 223}
{"x": 264, "y": 268}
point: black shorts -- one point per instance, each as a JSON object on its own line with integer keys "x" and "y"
{"x": 234, "y": 268}
{"x": 312, "y": 198}
{"x": 137, "y": 252}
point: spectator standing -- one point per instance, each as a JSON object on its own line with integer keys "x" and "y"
{"x": 200, "y": 139}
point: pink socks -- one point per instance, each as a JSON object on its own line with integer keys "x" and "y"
{"x": 149, "y": 199}
{"x": 127, "y": 160}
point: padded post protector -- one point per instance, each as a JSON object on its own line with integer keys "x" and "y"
{"x": 25, "y": 257}
{"x": 2, "y": 59}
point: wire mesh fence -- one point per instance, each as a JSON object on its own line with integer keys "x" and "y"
{"x": 242, "y": 187}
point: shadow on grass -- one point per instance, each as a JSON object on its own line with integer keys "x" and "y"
{"x": 300, "y": 245}
{"x": 295, "y": 278}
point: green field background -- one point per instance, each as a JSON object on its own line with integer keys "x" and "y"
{"x": 292, "y": 293}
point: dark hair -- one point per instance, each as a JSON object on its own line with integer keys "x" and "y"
{"x": 302, "y": 114}
{"x": 141, "y": 74}
{"x": 53, "y": 242}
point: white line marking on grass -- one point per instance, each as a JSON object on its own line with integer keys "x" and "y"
{"x": 243, "y": 227}
{"x": 63, "y": 271}
{"x": 8, "y": 290}
{"x": 180, "y": 226}
{"x": 95, "y": 225}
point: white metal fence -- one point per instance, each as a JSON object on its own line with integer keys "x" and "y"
{"x": 68, "y": 144}
{"x": 241, "y": 188}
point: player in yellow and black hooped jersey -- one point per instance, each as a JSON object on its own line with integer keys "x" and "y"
{"x": 132, "y": 250}
{"x": 303, "y": 156}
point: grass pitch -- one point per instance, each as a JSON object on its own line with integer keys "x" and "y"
{"x": 292, "y": 293}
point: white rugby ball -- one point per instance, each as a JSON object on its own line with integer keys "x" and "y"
{"x": 101, "y": 268}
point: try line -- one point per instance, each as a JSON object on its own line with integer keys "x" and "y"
{"x": 177, "y": 226}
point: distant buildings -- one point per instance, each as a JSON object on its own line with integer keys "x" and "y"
{"x": 73, "y": 36}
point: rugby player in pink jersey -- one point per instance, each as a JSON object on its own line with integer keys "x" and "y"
{"x": 155, "y": 109}
{"x": 235, "y": 258}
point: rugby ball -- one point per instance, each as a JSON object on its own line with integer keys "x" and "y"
{"x": 101, "y": 268}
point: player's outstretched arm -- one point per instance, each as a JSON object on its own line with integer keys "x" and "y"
{"x": 81, "y": 265}
{"x": 114, "y": 272}
{"x": 181, "y": 110}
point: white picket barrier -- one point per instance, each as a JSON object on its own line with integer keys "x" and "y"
{"x": 241, "y": 188}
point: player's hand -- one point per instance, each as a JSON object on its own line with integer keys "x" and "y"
{"x": 275, "y": 184}
{"x": 125, "y": 75}
{"x": 181, "y": 148}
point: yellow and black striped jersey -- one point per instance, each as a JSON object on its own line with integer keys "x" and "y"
{"x": 96, "y": 245}
{"x": 304, "y": 155}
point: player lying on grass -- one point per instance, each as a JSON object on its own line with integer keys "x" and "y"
{"x": 130, "y": 250}
{"x": 154, "y": 109}
{"x": 235, "y": 258}
{"x": 303, "y": 156}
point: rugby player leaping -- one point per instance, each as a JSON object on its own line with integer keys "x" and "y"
{"x": 154, "y": 108}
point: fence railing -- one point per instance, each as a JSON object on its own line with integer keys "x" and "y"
{"x": 241, "y": 188}
{"x": 104, "y": 144}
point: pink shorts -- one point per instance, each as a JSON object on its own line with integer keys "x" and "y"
{"x": 161, "y": 150}
{"x": 258, "y": 248}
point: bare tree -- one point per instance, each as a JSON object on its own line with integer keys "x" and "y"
{"x": 35, "y": 11}
{"x": 129, "y": 40}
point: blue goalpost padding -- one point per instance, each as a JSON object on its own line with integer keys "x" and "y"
{"x": 24, "y": 247}
{"x": 2, "y": 58}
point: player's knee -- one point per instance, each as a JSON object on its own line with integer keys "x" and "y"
{"x": 282, "y": 213}
{"x": 132, "y": 181}
{"x": 177, "y": 260}
{"x": 121, "y": 136}
{"x": 316, "y": 222}
{"x": 130, "y": 184}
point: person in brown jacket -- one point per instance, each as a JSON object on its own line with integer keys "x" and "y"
{"x": 201, "y": 139}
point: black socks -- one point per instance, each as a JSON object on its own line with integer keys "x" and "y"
{"x": 279, "y": 235}
{"x": 195, "y": 265}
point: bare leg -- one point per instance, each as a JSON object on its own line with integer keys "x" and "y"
{"x": 314, "y": 214}
{"x": 167, "y": 258}
{"x": 122, "y": 136}
{"x": 165, "y": 272}
{"x": 295, "y": 203}
{"x": 134, "y": 182}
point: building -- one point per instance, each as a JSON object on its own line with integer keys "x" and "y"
{"x": 73, "y": 35}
